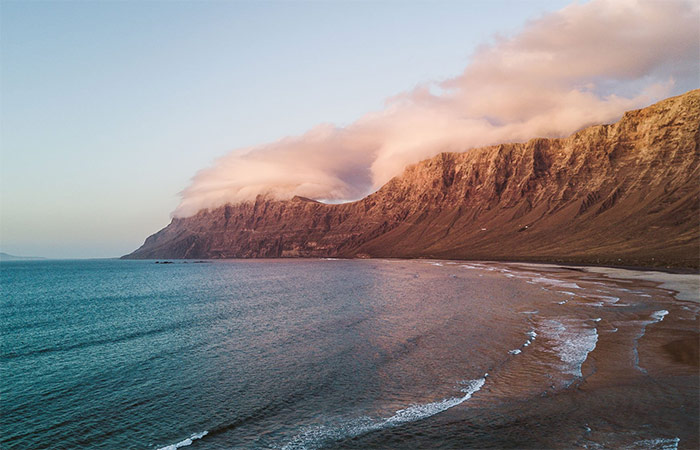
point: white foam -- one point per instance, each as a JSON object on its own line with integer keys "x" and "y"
{"x": 418, "y": 412}
{"x": 186, "y": 442}
{"x": 656, "y": 316}
{"x": 657, "y": 444}
{"x": 607, "y": 298}
{"x": 572, "y": 344}
{"x": 318, "y": 436}
{"x": 558, "y": 283}
{"x": 659, "y": 315}
{"x": 478, "y": 266}
{"x": 532, "y": 335}
{"x": 514, "y": 352}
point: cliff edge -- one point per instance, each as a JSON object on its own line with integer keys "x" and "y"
{"x": 620, "y": 194}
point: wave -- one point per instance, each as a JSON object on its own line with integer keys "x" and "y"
{"x": 319, "y": 435}
{"x": 167, "y": 328}
{"x": 656, "y": 316}
{"x": 656, "y": 444}
{"x": 532, "y": 334}
{"x": 186, "y": 442}
{"x": 572, "y": 344}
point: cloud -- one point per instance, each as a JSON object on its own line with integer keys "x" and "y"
{"x": 582, "y": 65}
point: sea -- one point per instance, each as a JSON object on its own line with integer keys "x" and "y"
{"x": 324, "y": 353}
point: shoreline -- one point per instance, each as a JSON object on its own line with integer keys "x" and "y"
{"x": 681, "y": 270}
{"x": 684, "y": 282}
{"x": 685, "y": 286}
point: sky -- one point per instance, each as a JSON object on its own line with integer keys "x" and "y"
{"x": 109, "y": 109}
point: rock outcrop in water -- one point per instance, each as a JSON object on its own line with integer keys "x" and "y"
{"x": 620, "y": 194}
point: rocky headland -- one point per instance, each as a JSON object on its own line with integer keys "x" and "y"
{"x": 623, "y": 194}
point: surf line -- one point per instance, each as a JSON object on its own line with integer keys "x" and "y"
{"x": 186, "y": 442}
{"x": 656, "y": 316}
{"x": 318, "y": 436}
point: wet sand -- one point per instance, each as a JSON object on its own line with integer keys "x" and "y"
{"x": 639, "y": 386}
{"x": 685, "y": 286}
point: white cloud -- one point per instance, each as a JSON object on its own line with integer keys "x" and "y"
{"x": 584, "y": 64}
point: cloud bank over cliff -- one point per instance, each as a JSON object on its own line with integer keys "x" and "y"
{"x": 582, "y": 65}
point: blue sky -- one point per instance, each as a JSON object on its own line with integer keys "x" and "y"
{"x": 107, "y": 109}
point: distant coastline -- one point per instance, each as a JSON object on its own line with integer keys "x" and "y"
{"x": 7, "y": 257}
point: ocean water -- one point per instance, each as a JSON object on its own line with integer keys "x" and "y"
{"x": 337, "y": 354}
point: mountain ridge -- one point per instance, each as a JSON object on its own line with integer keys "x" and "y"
{"x": 620, "y": 194}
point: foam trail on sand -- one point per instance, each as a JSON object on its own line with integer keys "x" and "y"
{"x": 556, "y": 283}
{"x": 186, "y": 442}
{"x": 656, "y": 444}
{"x": 571, "y": 343}
{"x": 319, "y": 435}
{"x": 659, "y": 315}
{"x": 532, "y": 335}
{"x": 656, "y": 316}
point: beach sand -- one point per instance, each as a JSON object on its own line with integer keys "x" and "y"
{"x": 685, "y": 286}
{"x": 639, "y": 386}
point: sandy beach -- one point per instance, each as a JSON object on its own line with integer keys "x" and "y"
{"x": 638, "y": 385}
{"x": 684, "y": 286}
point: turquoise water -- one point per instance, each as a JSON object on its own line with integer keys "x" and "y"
{"x": 281, "y": 354}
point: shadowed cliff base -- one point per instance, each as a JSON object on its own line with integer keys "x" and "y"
{"x": 626, "y": 194}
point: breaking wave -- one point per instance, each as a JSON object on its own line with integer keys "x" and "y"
{"x": 571, "y": 343}
{"x": 317, "y": 436}
{"x": 186, "y": 442}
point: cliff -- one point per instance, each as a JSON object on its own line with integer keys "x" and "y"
{"x": 620, "y": 194}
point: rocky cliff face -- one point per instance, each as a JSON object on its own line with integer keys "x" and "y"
{"x": 622, "y": 194}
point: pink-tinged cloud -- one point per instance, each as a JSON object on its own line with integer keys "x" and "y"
{"x": 585, "y": 64}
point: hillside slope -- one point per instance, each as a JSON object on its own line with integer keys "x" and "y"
{"x": 622, "y": 194}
